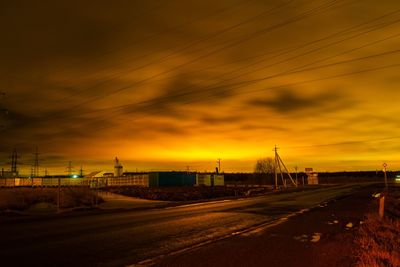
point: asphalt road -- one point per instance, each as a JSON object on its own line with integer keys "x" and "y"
{"x": 124, "y": 238}
{"x": 321, "y": 237}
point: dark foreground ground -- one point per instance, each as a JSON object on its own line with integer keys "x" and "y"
{"x": 315, "y": 238}
{"x": 237, "y": 232}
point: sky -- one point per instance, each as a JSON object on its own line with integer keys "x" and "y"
{"x": 168, "y": 84}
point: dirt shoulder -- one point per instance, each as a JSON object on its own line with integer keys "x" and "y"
{"x": 323, "y": 236}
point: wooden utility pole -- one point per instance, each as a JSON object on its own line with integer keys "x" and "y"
{"x": 279, "y": 164}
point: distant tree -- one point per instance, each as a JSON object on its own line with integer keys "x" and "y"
{"x": 264, "y": 165}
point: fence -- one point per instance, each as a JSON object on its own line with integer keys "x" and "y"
{"x": 43, "y": 182}
{"x": 137, "y": 180}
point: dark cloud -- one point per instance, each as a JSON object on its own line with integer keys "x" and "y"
{"x": 221, "y": 120}
{"x": 289, "y": 101}
{"x": 250, "y": 127}
{"x": 182, "y": 91}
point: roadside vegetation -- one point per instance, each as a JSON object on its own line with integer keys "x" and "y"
{"x": 378, "y": 239}
{"x": 185, "y": 193}
{"x": 20, "y": 199}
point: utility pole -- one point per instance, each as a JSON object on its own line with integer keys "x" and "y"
{"x": 295, "y": 167}
{"x": 219, "y": 165}
{"x": 279, "y": 164}
{"x": 385, "y": 176}
{"x": 36, "y": 163}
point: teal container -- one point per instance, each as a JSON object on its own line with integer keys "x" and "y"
{"x": 170, "y": 179}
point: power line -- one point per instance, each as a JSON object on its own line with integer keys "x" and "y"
{"x": 245, "y": 83}
{"x": 365, "y": 141}
{"x": 171, "y": 29}
{"x": 296, "y": 18}
{"x": 319, "y": 48}
{"x": 290, "y": 72}
{"x": 102, "y": 126}
{"x": 186, "y": 47}
{"x": 303, "y": 15}
{"x": 212, "y": 88}
{"x": 143, "y": 13}
{"x": 315, "y": 41}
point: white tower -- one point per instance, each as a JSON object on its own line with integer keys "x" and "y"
{"x": 118, "y": 169}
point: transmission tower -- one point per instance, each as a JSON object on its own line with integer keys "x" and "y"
{"x": 36, "y": 163}
{"x": 32, "y": 171}
{"x": 81, "y": 171}
{"x": 69, "y": 169}
{"x": 14, "y": 162}
{"x": 279, "y": 165}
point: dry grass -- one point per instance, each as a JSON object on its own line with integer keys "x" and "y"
{"x": 379, "y": 239}
{"x": 183, "y": 193}
{"x": 24, "y": 198}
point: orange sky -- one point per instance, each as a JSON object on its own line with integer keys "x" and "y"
{"x": 169, "y": 84}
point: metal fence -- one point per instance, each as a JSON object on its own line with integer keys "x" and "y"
{"x": 137, "y": 180}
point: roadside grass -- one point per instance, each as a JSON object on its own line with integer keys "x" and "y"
{"x": 378, "y": 239}
{"x": 25, "y": 198}
{"x": 184, "y": 193}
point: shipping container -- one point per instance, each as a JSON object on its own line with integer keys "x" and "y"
{"x": 168, "y": 179}
{"x": 219, "y": 180}
{"x": 210, "y": 179}
{"x": 203, "y": 179}
{"x": 136, "y": 180}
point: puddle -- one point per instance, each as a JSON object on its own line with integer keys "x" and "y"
{"x": 316, "y": 237}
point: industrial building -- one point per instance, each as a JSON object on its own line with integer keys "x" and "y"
{"x": 119, "y": 178}
{"x": 161, "y": 179}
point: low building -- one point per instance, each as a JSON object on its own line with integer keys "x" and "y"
{"x": 312, "y": 177}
